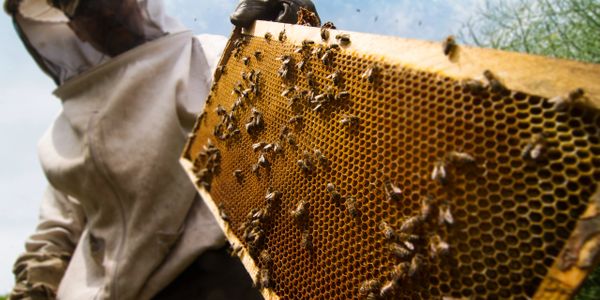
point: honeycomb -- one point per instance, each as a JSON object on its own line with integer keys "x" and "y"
{"x": 497, "y": 222}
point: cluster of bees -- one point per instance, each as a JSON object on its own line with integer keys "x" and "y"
{"x": 253, "y": 234}
{"x": 268, "y": 152}
{"x": 418, "y": 235}
{"x": 207, "y": 165}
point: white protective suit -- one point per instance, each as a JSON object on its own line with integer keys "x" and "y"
{"x": 120, "y": 218}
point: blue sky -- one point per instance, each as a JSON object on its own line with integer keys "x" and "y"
{"x": 27, "y": 107}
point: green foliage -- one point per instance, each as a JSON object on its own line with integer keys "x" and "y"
{"x": 591, "y": 288}
{"x": 558, "y": 28}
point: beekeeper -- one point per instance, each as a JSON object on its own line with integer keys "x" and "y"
{"x": 120, "y": 218}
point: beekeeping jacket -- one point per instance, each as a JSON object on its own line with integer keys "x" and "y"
{"x": 120, "y": 219}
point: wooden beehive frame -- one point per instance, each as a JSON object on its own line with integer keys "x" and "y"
{"x": 526, "y": 73}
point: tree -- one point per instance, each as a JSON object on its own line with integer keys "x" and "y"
{"x": 557, "y": 28}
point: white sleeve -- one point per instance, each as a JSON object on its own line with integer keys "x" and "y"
{"x": 206, "y": 53}
{"x": 48, "y": 251}
{"x": 213, "y": 46}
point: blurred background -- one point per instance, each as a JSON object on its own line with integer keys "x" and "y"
{"x": 560, "y": 28}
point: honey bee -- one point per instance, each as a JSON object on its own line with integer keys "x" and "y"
{"x": 286, "y": 61}
{"x": 369, "y": 289}
{"x": 342, "y": 96}
{"x": 372, "y": 73}
{"x": 475, "y": 87}
{"x": 304, "y": 166}
{"x": 495, "y": 84}
{"x": 300, "y": 65}
{"x": 293, "y": 101}
{"x": 310, "y": 78}
{"x": 335, "y": 77}
{"x": 560, "y": 103}
{"x": 327, "y": 58}
{"x": 291, "y": 139}
{"x": 324, "y": 34}
{"x": 428, "y": 207}
{"x": 237, "y": 90}
{"x": 284, "y": 132}
{"x": 220, "y": 110}
{"x": 300, "y": 213}
{"x": 349, "y": 121}
{"x": 392, "y": 191}
{"x": 328, "y": 25}
{"x": 343, "y": 38}
{"x": 317, "y": 52}
{"x": 262, "y": 161}
{"x": 351, "y": 206}
{"x": 400, "y": 271}
{"x": 244, "y": 76}
{"x": 203, "y": 183}
{"x": 268, "y": 148}
{"x": 221, "y": 69}
{"x": 263, "y": 278}
{"x": 306, "y": 44}
{"x": 460, "y": 158}
{"x": 258, "y": 54}
{"x": 258, "y": 146}
{"x": 388, "y": 289}
{"x": 268, "y": 36}
{"x": 238, "y": 174}
{"x": 277, "y": 149}
{"x": 265, "y": 258}
{"x": 246, "y": 92}
{"x": 324, "y": 97}
{"x": 250, "y": 127}
{"x": 438, "y": 247}
{"x": 400, "y": 251}
{"x": 416, "y": 265}
{"x": 282, "y": 36}
{"x": 445, "y": 215}
{"x": 231, "y": 127}
{"x": 272, "y": 196}
{"x": 449, "y": 46}
{"x": 320, "y": 157}
{"x": 297, "y": 119}
{"x": 255, "y": 169}
{"x": 246, "y": 60}
{"x": 535, "y": 147}
{"x": 335, "y": 195}
{"x": 223, "y": 214}
{"x": 306, "y": 241}
{"x": 325, "y": 30}
{"x": 288, "y": 91}
{"x": 387, "y": 230}
{"x": 409, "y": 225}
{"x": 439, "y": 173}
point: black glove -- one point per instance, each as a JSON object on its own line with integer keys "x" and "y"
{"x": 284, "y": 11}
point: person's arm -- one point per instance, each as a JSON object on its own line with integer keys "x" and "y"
{"x": 39, "y": 270}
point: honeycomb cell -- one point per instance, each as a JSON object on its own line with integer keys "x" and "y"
{"x": 511, "y": 215}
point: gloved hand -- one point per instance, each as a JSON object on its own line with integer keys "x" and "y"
{"x": 285, "y": 11}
